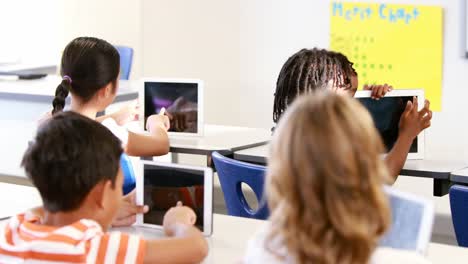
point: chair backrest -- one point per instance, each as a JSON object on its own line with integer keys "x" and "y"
{"x": 126, "y": 60}
{"x": 232, "y": 174}
{"x": 459, "y": 206}
{"x": 128, "y": 173}
{"x": 412, "y": 219}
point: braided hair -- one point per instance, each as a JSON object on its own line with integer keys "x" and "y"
{"x": 308, "y": 70}
{"x": 88, "y": 64}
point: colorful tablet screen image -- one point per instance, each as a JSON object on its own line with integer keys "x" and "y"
{"x": 386, "y": 114}
{"x": 180, "y": 101}
{"x": 164, "y": 187}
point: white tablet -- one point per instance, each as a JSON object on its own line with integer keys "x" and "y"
{"x": 162, "y": 185}
{"x": 412, "y": 221}
{"x": 182, "y": 99}
{"x": 386, "y": 113}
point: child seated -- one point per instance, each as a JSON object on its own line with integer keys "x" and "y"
{"x": 324, "y": 187}
{"x": 74, "y": 163}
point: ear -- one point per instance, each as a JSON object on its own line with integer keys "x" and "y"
{"x": 106, "y": 91}
{"x": 100, "y": 193}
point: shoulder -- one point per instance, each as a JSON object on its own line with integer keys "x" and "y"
{"x": 258, "y": 253}
{"x": 395, "y": 256}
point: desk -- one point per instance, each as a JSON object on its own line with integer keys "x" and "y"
{"x": 224, "y": 139}
{"x": 230, "y": 236}
{"x": 439, "y": 170}
{"x": 460, "y": 176}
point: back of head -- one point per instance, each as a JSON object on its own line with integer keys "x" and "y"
{"x": 325, "y": 180}
{"x": 68, "y": 157}
{"x": 88, "y": 64}
{"x": 308, "y": 70}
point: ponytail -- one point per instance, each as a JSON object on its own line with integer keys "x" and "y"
{"x": 61, "y": 94}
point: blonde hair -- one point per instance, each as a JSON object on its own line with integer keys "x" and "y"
{"x": 325, "y": 182}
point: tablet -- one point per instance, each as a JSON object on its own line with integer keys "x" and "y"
{"x": 386, "y": 114}
{"x": 412, "y": 221}
{"x": 162, "y": 185}
{"x": 182, "y": 100}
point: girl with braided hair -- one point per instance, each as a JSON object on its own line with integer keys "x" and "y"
{"x": 309, "y": 70}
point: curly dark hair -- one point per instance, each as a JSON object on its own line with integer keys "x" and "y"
{"x": 308, "y": 70}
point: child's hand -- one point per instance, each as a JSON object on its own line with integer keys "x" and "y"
{"x": 413, "y": 122}
{"x": 178, "y": 215}
{"x": 378, "y": 91}
{"x": 155, "y": 121}
{"x": 126, "y": 216}
{"x": 127, "y": 113}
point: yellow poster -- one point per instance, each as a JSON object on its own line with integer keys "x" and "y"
{"x": 388, "y": 43}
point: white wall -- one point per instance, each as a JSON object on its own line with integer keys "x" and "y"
{"x": 28, "y": 35}
{"x": 39, "y": 30}
{"x": 196, "y": 39}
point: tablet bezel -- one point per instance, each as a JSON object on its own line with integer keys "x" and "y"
{"x": 200, "y": 104}
{"x": 207, "y": 193}
{"x": 400, "y": 93}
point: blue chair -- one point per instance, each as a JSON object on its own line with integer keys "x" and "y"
{"x": 128, "y": 173}
{"x": 458, "y": 195}
{"x": 232, "y": 174}
{"x": 412, "y": 219}
{"x": 126, "y": 60}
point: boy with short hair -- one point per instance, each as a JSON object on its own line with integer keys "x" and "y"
{"x": 74, "y": 163}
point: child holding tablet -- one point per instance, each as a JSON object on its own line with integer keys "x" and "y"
{"x": 309, "y": 70}
{"x": 82, "y": 157}
{"x": 324, "y": 187}
{"x": 90, "y": 69}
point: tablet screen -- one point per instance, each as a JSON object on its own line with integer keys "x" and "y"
{"x": 386, "y": 114}
{"x": 180, "y": 101}
{"x": 165, "y": 186}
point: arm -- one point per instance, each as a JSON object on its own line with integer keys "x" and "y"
{"x": 396, "y": 158}
{"x": 412, "y": 123}
{"x": 187, "y": 246}
{"x": 154, "y": 144}
{"x": 124, "y": 115}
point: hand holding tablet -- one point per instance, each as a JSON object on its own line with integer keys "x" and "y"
{"x": 178, "y": 215}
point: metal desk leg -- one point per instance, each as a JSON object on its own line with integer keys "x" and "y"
{"x": 174, "y": 157}
{"x": 441, "y": 187}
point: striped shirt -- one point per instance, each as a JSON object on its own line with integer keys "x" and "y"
{"x": 24, "y": 240}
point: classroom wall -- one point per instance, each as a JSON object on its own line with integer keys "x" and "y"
{"x": 196, "y": 39}
{"x": 30, "y": 34}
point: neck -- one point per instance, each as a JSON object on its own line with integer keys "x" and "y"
{"x": 85, "y": 109}
{"x": 60, "y": 219}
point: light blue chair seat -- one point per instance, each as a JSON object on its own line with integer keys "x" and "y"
{"x": 232, "y": 174}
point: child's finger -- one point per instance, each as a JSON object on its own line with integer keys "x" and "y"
{"x": 179, "y": 203}
{"x": 415, "y": 104}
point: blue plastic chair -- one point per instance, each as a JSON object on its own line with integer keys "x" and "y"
{"x": 126, "y": 60}
{"x": 128, "y": 173}
{"x": 232, "y": 174}
{"x": 412, "y": 219}
{"x": 459, "y": 207}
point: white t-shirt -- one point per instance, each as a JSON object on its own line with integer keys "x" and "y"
{"x": 119, "y": 131}
{"x": 257, "y": 253}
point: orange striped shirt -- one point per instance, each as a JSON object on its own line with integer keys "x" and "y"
{"x": 24, "y": 240}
